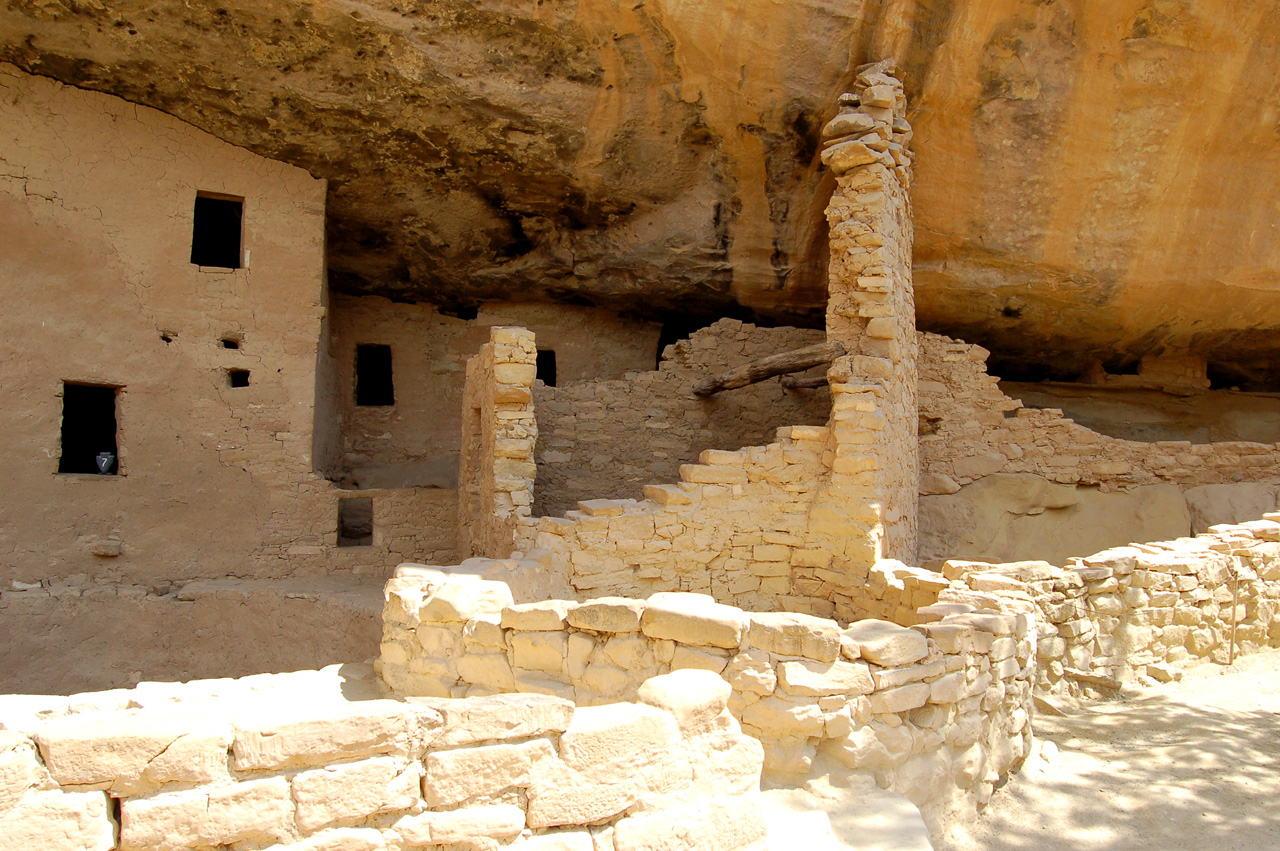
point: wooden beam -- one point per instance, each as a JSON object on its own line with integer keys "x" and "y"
{"x": 779, "y": 364}
{"x": 803, "y": 382}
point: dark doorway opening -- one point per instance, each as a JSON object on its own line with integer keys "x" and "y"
{"x": 89, "y": 430}
{"x": 355, "y": 522}
{"x": 374, "y": 384}
{"x": 547, "y": 367}
{"x": 215, "y": 237}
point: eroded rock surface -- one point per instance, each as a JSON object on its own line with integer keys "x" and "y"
{"x": 1093, "y": 179}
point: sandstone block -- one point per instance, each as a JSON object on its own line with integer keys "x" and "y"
{"x": 460, "y": 600}
{"x": 612, "y": 756}
{"x": 489, "y": 670}
{"x": 887, "y": 644}
{"x": 458, "y": 775}
{"x": 352, "y": 791}
{"x": 607, "y": 614}
{"x": 340, "y": 839}
{"x": 544, "y": 616}
{"x": 514, "y": 373}
{"x": 254, "y": 810}
{"x": 129, "y": 752}
{"x": 19, "y": 769}
{"x": 713, "y": 660}
{"x": 298, "y": 734}
{"x": 539, "y": 651}
{"x": 695, "y": 698}
{"x": 900, "y": 699}
{"x": 813, "y": 679}
{"x": 499, "y": 821}
{"x": 947, "y": 689}
{"x": 59, "y": 821}
{"x": 560, "y": 840}
{"x": 713, "y": 824}
{"x": 844, "y": 156}
{"x": 693, "y": 619}
{"x": 791, "y": 634}
{"x": 751, "y": 672}
{"x": 777, "y": 717}
{"x": 502, "y": 716}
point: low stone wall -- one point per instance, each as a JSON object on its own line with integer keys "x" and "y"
{"x": 609, "y": 438}
{"x": 939, "y": 712}
{"x": 302, "y": 772}
{"x": 1146, "y": 608}
{"x": 789, "y": 526}
{"x": 970, "y": 429}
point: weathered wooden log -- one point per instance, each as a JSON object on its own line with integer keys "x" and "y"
{"x": 803, "y": 382}
{"x": 779, "y": 364}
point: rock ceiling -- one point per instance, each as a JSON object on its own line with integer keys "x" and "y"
{"x": 1095, "y": 178}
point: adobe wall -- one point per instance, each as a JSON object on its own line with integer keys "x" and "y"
{"x": 72, "y": 636}
{"x": 416, "y": 441}
{"x": 609, "y": 438}
{"x": 939, "y": 713}
{"x": 96, "y": 204}
{"x": 294, "y": 763}
{"x": 1148, "y": 609}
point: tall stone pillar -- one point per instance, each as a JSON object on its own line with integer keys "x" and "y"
{"x": 869, "y": 510}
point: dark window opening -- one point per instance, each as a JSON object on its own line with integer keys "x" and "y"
{"x": 673, "y": 331}
{"x": 374, "y": 385}
{"x": 238, "y": 377}
{"x": 355, "y": 522}
{"x": 89, "y": 430}
{"x": 230, "y": 343}
{"x": 215, "y": 237}
{"x": 547, "y": 367}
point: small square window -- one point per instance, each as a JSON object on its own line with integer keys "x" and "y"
{"x": 89, "y": 430}
{"x": 215, "y": 236}
{"x": 374, "y": 384}
{"x": 238, "y": 378}
{"x": 355, "y": 522}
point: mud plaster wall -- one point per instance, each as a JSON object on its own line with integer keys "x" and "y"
{"x": 96, "y": 204}
{"x": 610, "y": 438}
{"x": 73, "y": 637}
{"x": 417, "y": 440}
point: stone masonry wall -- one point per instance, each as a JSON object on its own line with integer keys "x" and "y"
{"x": 871, "y": 309}
{"x": 609, "y": 438}
{"x": 937, "y": 711}
{"x": 1147, "y": 608}
{"x": 299, "y": 771}
{"x": 496, "y": 471}
{"x": 970, "y": 429}
{"x": 416, "y": 440}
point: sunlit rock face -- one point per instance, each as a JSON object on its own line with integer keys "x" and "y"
{"x": 1095, "y": 179}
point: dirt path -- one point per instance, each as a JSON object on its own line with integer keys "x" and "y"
{"x": 1189, "y": 766}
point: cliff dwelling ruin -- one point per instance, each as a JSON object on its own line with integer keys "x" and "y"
{"x": 444, "y": 426}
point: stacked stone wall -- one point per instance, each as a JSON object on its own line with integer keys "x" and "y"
{"x": 1146, "y": 609}
{"x": 946, "y": 700}
{"x": 609, "y": 438}
{"x": 496, "y": 471}
{"x": 317, "y": 774}
{"x": 970, "y": 429}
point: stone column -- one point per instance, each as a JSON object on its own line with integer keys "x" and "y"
{"x": 871, "y": 499}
